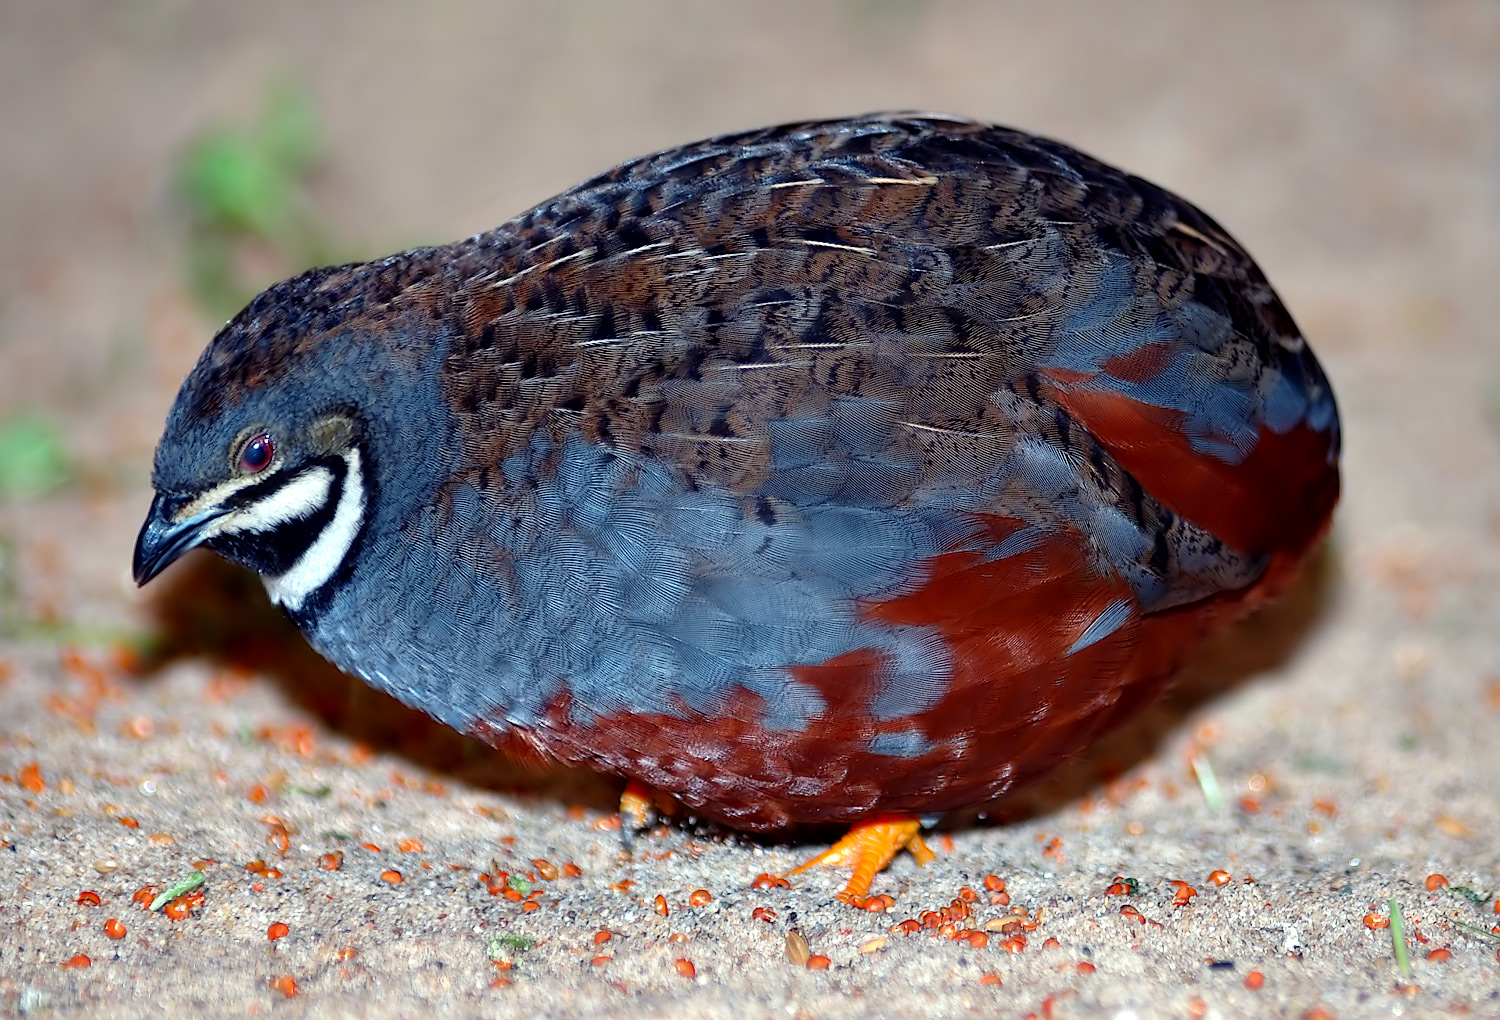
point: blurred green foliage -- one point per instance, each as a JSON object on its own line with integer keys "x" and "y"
{"x": 33, "y": 458}
{"x": 244, "y": 188}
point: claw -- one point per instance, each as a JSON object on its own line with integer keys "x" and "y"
{"x": 869, "y": 847}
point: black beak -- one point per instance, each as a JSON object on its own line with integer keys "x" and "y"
{"x": 163, "y": 539}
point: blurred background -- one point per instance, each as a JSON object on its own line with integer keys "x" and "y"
{"x": 162, "y": 160}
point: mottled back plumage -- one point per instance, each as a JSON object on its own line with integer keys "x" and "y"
{"x": 803, "y": 473}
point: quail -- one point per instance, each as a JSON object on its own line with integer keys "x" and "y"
{"x": 849, "y": 471}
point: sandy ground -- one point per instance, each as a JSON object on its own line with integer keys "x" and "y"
{"x": 1354, "y": 147}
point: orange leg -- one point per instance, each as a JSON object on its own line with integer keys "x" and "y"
{"x": 869, "y": 847}
{"x": 636, "y": 809}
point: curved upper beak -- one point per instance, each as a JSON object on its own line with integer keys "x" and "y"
{"x": 163, "y": 537}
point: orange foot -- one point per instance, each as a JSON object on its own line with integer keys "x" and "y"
{"x": 869, "y": 846}
{"x": 637, "y": 807}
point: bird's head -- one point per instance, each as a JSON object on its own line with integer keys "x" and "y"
{"x": 264, "y": 458}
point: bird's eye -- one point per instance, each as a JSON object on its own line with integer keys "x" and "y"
{"x": 257, "y": 454}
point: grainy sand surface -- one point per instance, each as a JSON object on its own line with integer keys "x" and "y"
{"x": 1355, "y": 149}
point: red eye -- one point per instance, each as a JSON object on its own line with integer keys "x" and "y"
{"x": 257, "y": 454}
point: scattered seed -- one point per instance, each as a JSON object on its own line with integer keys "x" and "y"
{"x": 685, "y": 968}
{"x": 109, "y": 867}
{"x": 660, "y": 905}
{"x": 1438, "y": 955}
{"x": 88, "y": 898}
{"x": 114, "y": 929}
{"x": 989, "y": 979}
{"x": 287, "y": 985}
{"x": 1051, "y": 944}
{"x": 797, "y": 949}
{"x": 768, "y": 881}
{"x": 1255, "y": 980}
{"x": 601, "y": 961}
{"x": 818, "y": 962}
{"x": 1084, "y": 967}
{"x": 331, "y": 861}
{"x": 545, "y": 869}
{"x": 1184, "y": 894}
{"x": 700, "y": 898}
{"x": 530, "y": 905}
{"x": 873, "y": 945}
{"x": 1133, "y": 914}
{"x": 129, "y": 823}
{"x": 765, "y": 914}
{"x": 602, "y": 936}
{"x": 277, "y": 931}
{"x": 179, "y": 909}
{"x": 392, "y": 876}
{"x": 161, "y": 839}
{"x": 346, "y": 954}
{"x": 677, "y": 938}
{"x": 1435, "y": 882}
{"x": 572, "y": 870}
{"x": 978, "y": 939}
{"x": 76, "y": 962}
{"x": 1219, "y": 877}
{"x": 1375, "y": 922}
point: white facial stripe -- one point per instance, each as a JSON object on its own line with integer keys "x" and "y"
{"x": 218, "y": 495}
{"x": 301, "y": 497}
{"x": 316, "y": 567}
